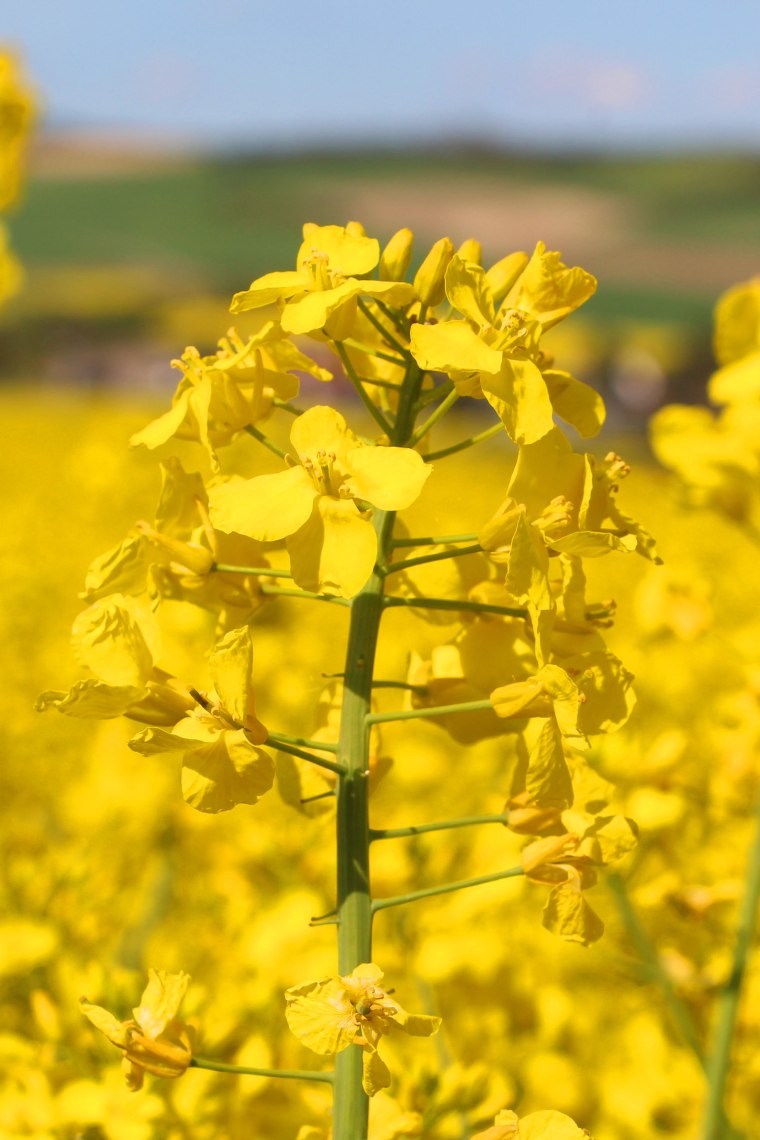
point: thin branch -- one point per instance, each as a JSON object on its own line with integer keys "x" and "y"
{"x": 421, "y": 559}
{"x": 424, "y": 714}
{"x": 430, "y": 892}
{"x": 481, "y": 437}
{"x": 359, "y": 347}
{"x": 392, "y": 600}
{"x": 440, "y": 540}
{"x": 259, "y": 435}
{"x": 286, "y": 1074}
{"x": 434, "y": 417}
{"x": 387, "y": 336}
{"x": 254, "y": 571}
{"x": 373, "y": 410}
{"x": 281, "y": 746}
{"x": 443, "y": 825}
{"x": 286, "y": 592}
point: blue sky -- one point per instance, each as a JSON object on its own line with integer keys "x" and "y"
{"x": 287, "y": 72}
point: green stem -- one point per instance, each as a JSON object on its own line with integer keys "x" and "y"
{"x": 399, "y": 685}
{"x": 280, "y": 746}
{"x": 286, "y": 1074}
{"x": 286, "y": 592}
{"x": 259, "y": 435}
{"x": 354, "y": 900}
{"x": 255, "y": 571}
{"x": 359, "y": 347}
{"x": 306, "y": 742}
{"x": 443, "y": 825}
{"x": 287, "y": 406}
{"x": 396, "y": 318}
{"x": 440, "y": 540}
{"x": 481, "y": 437}
{"x": 373, "y": 410}
{"x": 387, "y": 336}
{"x": 430, "y": 395}
{"x": 430, "y": 892}
{"x": 423, "y": 714}
{"x": 455, "y": 604}
{"x": 651, "y": 961}
{"x": 354, "y": 909}
{"x": 719, "y": 1058}
{"x": 421, "y": 559}
{"x": 434, "y": 417}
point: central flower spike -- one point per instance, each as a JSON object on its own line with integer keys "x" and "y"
{"x": 318, "y": 504}
{"x": 331, "y": 1014}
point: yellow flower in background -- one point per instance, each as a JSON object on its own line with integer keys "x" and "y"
{"x": 11, "y": 273}
{"x": 16, "y": 117}
{"x": 331, "y": 1014}
{"x": 317, "y": 505}
{"x": 153, "y": 1040}
{"x": 547, "y": 1125}
{"x": 329, "y": 276}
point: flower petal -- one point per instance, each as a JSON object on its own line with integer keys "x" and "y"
{"x": 335, "y": 550}
{"x": 518, "y": 395}
{"x": 469, "y": 292}
{"x": 267, "y": 507}
{"x": 576, "y": 403}
{"x": 452, "y": 346}
{"x": 390, "y": 478}
{"x": 268, "y": 289}
{"x": 375, "y": 1073}
{"x": 160, "y": 1001}
{"x": 321, "y": 428}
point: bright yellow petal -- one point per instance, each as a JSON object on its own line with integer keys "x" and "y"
{"x": 375, "y": 1073}
{"x": 576, "y": 403}
{"x": 268, "y": 289}
{"x": 519, "y": 396}
{"x": 116, "y": 638}
{"x": 115, "y": 1030}
{"x": 320, "y": 1015}
{"x": 548, "y": 778}
{"x": 321, "y": 429}
{"x": 349, "y": 253}
{"x": 549, "y": 1125}
{"x": 739, "y": 380}
{"x": 90, "y": 700}
{"x": 452, "y": 346}
{"x": 231, "y": 667}
{"x": 334, "y": 551}
{"x": 390, "y": 478}
{"x": 160, "y": 1001}
{"x": 547, "y": 289}
{"x": 227, "y": 772}
{"x": 568, "y": 915}
{"x": 469, "y": 292}
{"x": 544, "y": 470}
{"x": 737, "y": 322}
{"x": 267, "y": 507}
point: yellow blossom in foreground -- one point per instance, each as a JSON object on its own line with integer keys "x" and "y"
{"x": 333, "y": 1013}
{"x": 153, "y": 1040}
{"x": 317, "y": 504}
{"x": 536, "y": 1126}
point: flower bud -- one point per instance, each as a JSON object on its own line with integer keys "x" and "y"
{"x": 502, "y": 276}
{"x": 430, "y": 277}
{"x": 395, "y": 258}
{"x": 471, "y": 250}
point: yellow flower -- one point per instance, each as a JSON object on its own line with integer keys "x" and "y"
{"x": 333, "y": 1013}
{"x": 153, "y": 1040}
{"x": 219, "y": 395}
{"x": 117, "y": 639}
{"x": 222, "y": 764}
{"x": 536, "y": 1126}
{"x": 16, "y": 115}
{"x": 495, "y": 353}
{"x": 317, "y": 504}
{"x": 330, "y": 263}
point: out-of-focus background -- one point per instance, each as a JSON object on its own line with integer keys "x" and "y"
{"x": 181, "y": 146}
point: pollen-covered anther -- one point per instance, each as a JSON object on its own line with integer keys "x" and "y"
{"x": 616, "y": 466}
